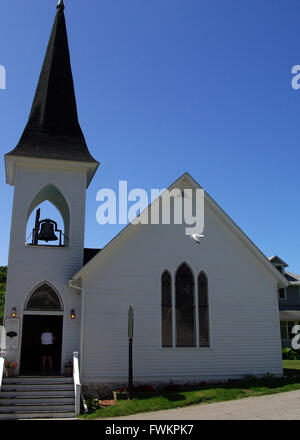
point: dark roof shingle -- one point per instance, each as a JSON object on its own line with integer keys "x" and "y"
{"x": 53, "y": 130}
{"x": 88, "y": 254}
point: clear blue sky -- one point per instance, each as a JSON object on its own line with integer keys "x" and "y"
{"x": 167, "y": 86}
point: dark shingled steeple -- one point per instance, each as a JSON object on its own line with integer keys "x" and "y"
{"x": 53, "y": 130}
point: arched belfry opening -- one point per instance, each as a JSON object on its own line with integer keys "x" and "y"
{"x": 48, "y": 219}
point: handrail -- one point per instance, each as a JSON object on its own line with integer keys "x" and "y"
{"x": 77, "y": 384}
{"x": 2, "y": 363}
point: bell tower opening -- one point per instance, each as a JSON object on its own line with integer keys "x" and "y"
{"x": 48, "y": 219}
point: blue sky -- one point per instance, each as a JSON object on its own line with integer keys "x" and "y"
{"x": 168, "y": 86}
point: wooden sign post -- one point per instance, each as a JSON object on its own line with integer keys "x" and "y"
{"x": 130, "y": 338}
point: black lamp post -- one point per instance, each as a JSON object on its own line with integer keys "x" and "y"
{"x": 130, "y": 338}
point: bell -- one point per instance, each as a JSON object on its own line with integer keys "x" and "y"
{"x": 47, "y": 232}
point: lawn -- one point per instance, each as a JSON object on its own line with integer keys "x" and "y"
{"x": 291, "y": 367}
{"x": 153, "y": 401}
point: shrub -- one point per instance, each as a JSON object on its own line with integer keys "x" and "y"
{"x": 143, "y": 388}
{"x": 122, "y": 390}
{"x": 251, "y": 378}
{"x": 269, "y": 376}
{"x": 92, "y": 404}
{"x": 171, "y": 387}
{"x": 290, "y": 354}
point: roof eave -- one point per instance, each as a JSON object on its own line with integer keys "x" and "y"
{"x": 12, "y": 161}
{"x": 281, "y": 262}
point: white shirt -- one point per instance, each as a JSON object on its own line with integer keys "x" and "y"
{"x": 47, "y": 338}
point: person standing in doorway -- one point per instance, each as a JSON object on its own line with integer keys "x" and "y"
{"x": 47, "y": 341}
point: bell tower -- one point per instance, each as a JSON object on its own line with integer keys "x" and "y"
{"x": 52, "y": 163}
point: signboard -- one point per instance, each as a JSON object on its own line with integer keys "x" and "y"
{"x": 130, "y": 323}
{"x": 12, "y": 333}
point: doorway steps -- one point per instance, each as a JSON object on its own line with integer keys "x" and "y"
{"x": 37, "y": 397}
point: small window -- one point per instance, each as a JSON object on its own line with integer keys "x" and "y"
{"x": 290, "y": 326}
{"x": 283, "y": 330}
{"x": 281, "y": 293}
{"x": 44, "y": 298}
{"x": 286, "y": 328}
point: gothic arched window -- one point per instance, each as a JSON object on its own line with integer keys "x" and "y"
{"x": 185, "y": 307}
{"x": 203, "y": 310}
{"x": 166, "y": 309}
{"x": 44, "y": 298}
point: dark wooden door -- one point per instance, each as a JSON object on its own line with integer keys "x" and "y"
{"x": 33, "y": 327}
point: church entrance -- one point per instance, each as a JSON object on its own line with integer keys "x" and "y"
{"x": 31, "y": 354}
{"x": 43, "y": 312}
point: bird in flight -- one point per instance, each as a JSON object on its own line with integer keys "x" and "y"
{"x": 197, "y": 237}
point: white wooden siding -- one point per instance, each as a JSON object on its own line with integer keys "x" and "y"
{"x": 244, "y": 320}
{"x": 29, "y": 266}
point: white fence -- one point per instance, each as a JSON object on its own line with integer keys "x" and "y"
{"x": 77, "y": 384}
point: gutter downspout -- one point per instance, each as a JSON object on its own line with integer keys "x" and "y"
{"x": 81, "y": 290}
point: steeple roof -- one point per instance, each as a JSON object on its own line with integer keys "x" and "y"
{"x": 53, "y": 130}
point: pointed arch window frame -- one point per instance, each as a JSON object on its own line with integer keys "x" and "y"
{"x": 29, "y": 298}
{"x": 185, "y": 309}
{"x": 197, "y": 305}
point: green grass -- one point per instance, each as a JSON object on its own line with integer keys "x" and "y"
{"x": 154, "y": 401}
{"x": 291, "y": 366}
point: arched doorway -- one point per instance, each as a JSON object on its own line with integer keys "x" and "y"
{"x": 43, "y": 310}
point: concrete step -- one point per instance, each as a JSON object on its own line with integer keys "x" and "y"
{"x": 35, "y": 400}
{"x": 39, "y": 415}
{"x": 37, "y": 386}
{"x": 37, "y": 408}
{"x": 37, "y": 379}
{"x": 37, "y": 397}
{"x": 37, "y": 393}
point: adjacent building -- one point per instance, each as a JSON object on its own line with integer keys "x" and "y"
{"x": 289, "y": 301}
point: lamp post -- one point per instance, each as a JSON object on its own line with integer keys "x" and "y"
{"x": 130, "y": 338}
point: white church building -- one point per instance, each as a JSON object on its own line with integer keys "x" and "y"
{"x": 202, "y": 312}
